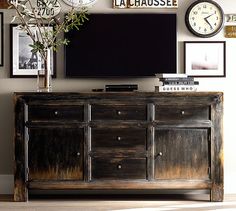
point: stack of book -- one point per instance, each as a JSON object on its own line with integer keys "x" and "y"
{"x": 176, "y": 83}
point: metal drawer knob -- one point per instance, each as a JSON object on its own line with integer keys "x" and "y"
{"x": 159, "y": 154}
{"x": 78, "y": 154}
{"x": 119, "y": 166}
{"x": 182, "y": 112}
{"x": 118, "y": 138}
{"x": 56, "y": 113}
{"x": 119, "y": 112}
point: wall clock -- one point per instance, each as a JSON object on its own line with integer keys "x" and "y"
{"x": 79, "y": 3}
{"x": 204, "y": 18}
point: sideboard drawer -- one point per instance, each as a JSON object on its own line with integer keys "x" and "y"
{"x": 118, "y": 168}
{"x": 128, "y": 139}
{"x": 183, "y": 112}
{"x": 55, "y": 112}
{"x": 119, "y": 112}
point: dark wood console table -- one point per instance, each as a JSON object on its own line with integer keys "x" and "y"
{"x": 104, "y": 141}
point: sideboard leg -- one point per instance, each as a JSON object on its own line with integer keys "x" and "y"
{"x": 20, "y": 192}
{"x": 217, "y": 193}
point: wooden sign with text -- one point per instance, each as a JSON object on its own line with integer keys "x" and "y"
{"x": 230, "y": 31}
{"x": 145, "y": 4}
{"x": 231, "y": 18}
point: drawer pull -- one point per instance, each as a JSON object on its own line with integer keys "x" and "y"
{"x": 119, "y": 166}
{"x": 56, "y": 113}
{"x": 118, "y": 112}
{"x": 182, "y": 112}
{"x": 159, "y": 154}
{"x": 118, "y": 138}
{"x": 78, "y": 154}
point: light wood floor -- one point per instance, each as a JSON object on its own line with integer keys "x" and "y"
{"x": 137, "y": 203}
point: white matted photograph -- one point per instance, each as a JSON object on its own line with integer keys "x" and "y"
{"x": 24, "y": 62}
{"x": 205, "y": 59}
{"x": 1, "y": 39}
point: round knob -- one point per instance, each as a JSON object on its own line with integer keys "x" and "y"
{"x": 78, "y": 154}
{"x": 182, "y": 112}
{"x": 119, "y": 166}
{"x": 56, "y": 113}
{"x": 159, "y": 154}
{"x": 119, "y": 112}
{"x": 118, "y": 138}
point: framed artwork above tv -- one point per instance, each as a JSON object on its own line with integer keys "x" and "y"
{"x": 122, "y": 45}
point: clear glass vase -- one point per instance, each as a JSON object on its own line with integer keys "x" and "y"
{"x": 44, "y": 76}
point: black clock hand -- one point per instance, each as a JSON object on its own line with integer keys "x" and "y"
{"x": 208, "y": 16}
{"x": 208, "y": 22}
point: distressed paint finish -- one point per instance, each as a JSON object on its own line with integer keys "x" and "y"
{"x": 55, "y": 154}
{"x": 118, "y": 168}
{"x": 119, "y": 112}
{"x": 181, "y": 154}
{"x": 118, "y": 152}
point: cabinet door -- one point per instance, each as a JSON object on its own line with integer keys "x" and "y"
{"x": 182, "y": 154}
{"x": 55, "y": 153}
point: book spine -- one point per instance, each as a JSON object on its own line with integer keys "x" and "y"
{"x": 177, "y": 79}
{"x": 180, "y": 83}
{"x": 187, "y": 88}
{"x": 166, "y": 75}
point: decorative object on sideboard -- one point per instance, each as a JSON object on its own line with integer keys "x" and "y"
{"x": 136, "y": 4}
{"x": 205, "y": 59}
{"x": 204, "y": 18}
{"x": 176, "y": 83}
{"x": 1, "y": 39}
{"x": 121, "y": 87}
{"x": 35, "y": 24}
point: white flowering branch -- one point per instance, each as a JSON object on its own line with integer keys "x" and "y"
{"x": 35, "y": 25}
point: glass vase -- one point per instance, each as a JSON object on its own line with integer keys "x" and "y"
{"x": 44, "y": 76}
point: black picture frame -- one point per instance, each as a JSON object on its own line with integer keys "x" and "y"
{"x": 1, "y": 40}
{"x": 205, "y": 58}
{"x": 17, "y": 69}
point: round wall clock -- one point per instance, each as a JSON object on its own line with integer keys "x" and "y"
{"x": 79, "y": 3}
{"x": 204, "y": 18}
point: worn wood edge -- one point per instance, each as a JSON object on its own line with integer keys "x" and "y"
{"x": 97, "y": 185}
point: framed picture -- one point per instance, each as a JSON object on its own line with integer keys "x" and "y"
{"x": 1, "y": 39}
{"x": 205, "y": 59}
{"x": 24, "y": 63}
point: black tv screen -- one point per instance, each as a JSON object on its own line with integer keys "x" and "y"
{"x": 122, "y": 45}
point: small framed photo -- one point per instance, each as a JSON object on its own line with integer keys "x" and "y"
{"x": 1, "y": 39}
{"x": 205, "y": 59}
{"x": 25, "y": 63}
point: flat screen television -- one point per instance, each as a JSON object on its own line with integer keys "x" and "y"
{"x": 122, "y": 45}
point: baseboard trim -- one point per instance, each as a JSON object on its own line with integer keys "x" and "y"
{"x": 6, "y": 183}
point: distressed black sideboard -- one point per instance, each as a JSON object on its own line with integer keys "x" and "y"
{"x": 118, "y": 141}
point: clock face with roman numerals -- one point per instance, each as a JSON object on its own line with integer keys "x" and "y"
{"x": 79, "y": 3}
{"x": 204, "y": 18}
